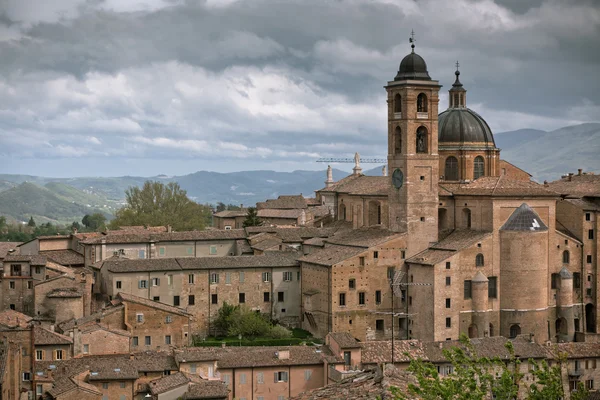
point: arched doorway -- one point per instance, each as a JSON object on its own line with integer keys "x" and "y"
{"x": 560, "y": 326}
{"x": 473, "y": 331}
{"x": 515, "y": 330}
{"x": 590, "y": 318}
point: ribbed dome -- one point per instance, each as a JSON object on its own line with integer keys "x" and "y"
{"x": 460, "y": 125}
{"x": 413, "y": 67}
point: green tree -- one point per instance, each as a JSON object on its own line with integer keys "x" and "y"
{"x": 159, "y": 204}
{"x": 251, "y": 218}
{"x": 31, "y": 222}
{"x": 221, "y": 206}
{"x": 94, "y": 222}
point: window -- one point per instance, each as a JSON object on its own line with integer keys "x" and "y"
{"x": 566, "y": 257}
{"x": 155, "y": 281}
{"x": 214, "y": 299}
{"x": 390, "y": 273}
{"x": 397, "y": 103}
{"x": 479, "y": 262}
{"x": 170, "y": 280}
{"x": 191, "y": 300}
{"x": 492, "y": 287}
{"x": 588, "y": 216}
{"x": 161, "y": 251}
{"x": 122, "y": 385}
{"x": 29, "y": 284}
{"x": 352, "y": 283}
{"x": 421, "y": 139}
{"x": 266, "y": 297}
{"x": 104, "y": 385}
{"x": 11, "y": 284}
{"x": 448, "y": 322}
{"x": 58, "y": 355}
{"x": 12, "y": 307}
{"x": 189, "y": 250}
{"x": 589, "y": 384}
{"x": 448, "y": 302}
{"x": 403, "y": 254}
{"x": 588, "y": 259}
{"x": 213, "y": 250}
{"x": 226, "y": 379}
{"x": 361, "y": 261}
{"x": 307, "y": 374}
{"x": 266, "y": 276}
{"x": 447, "y": 264}
{"x": 287, "y": 276}
{"x": 448, "y": 281}
{"x": 119, "y": 285}
{"x": 280, "y": 296}
{"x": 342, "y": 299}
{"x": 242, "y": 298}
{"x": 361, "y": 298}
{"x": 156, "y": 298}
{"x": 135, "y": 341}
{"x": 242, "y": 277}
{"x": 148, "y": 340}
{"x": 375, "y": 254}
{"x": 397, "y": 140}
{"x": 591, "y": 234}
{"x": 38, "y": 270}
{"x": 576, "y": 280}
{"x": 451, "y": 169}
{"x": 86, "y": 348}
{"x": 175, "y": 300}
{"x": 514, "y": 331}
{"x": 422, "y": 103}
{"x": 554, "y": 281}
{"x": 39, "y": 390}
{"x": 168, "y": 319}
{"x": 142, "y": 254}
{"x": 191, "y": 279}
{"x": 143, "y": 284}
{"x": 227, "y": 277}
{"x": 242, "y": 379}
{"x": 379, "y": 325}
{"x": 260, "y": 378}
{"x": 378, "y": 297}
{"x": 26, "y": 376}
{"x": 281, "y": 376}
{"x": 478, "y": 167}
{"x": 214, "y": 278}
{"x": 467, "y": 289}
{"x": 193, "y": 368}
{"x": 139, "y": 317}
{"x": 168, "y": 339}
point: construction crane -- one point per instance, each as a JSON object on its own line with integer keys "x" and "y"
{"x": 353, "y": 160}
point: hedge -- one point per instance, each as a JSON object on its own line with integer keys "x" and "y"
{"x": 249, "y": 342}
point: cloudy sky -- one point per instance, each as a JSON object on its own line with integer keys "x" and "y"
{"x": 144, "y": 87}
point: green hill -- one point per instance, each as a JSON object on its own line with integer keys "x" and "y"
{"x": 29, "y": 199}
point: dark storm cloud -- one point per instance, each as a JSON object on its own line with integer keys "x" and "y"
{"x": 276, "y": 80}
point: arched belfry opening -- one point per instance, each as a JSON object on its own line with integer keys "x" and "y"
{"x": 397, "y": 103}
{"x": 422, "y": 145}
{"x": 397, "y": 140}
{"x": 422, "y": 103}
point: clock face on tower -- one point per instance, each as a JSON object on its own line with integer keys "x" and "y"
{"x": 397, "y": 178}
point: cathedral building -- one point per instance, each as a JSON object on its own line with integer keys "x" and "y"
{"x": 481, "y": 249}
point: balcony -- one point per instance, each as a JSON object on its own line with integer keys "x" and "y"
{"x": 422, "y": 115}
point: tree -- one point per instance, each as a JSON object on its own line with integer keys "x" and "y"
{"x": 158, "y": 204}
{"x": 75, "y": 226}
{"x": 94, "y": 221}
{"x": 31, "y": 222}
{"x": 221, "y": 207}
{"x": 251, "y": 218}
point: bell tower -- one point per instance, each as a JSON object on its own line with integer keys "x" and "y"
{"x": 413, "y": 162}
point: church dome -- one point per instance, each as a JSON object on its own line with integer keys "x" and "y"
{"x": 413, "y": 67}
{"x": 463, "y": 125}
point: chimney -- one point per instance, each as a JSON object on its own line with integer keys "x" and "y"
{"x": 579, "y": 171}
{"x": 531, "y": 337}
{"x": 570, "y": 176}
{"x": 131, "y": 356}
{"x": 546, "y": 183}
{"x": 169, "y": 229}
{"x": 283, "y": 354}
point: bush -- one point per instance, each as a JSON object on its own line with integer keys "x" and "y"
{"x": 212, "y": 342}
{"x": 279, "y": 332}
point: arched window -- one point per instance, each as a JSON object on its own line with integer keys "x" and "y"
{"x": 478, "y": 168}
{"x": 421, "y": 139}
{"x": 451, "y": 170}
{"x": 479, "y": 260}
{"x": 566, "y": 257}
{"x": 422, "y": 103}
{"x": 397, "y": 103}
{"x": 515, "y": 330}
{"x": 397, "y": 140}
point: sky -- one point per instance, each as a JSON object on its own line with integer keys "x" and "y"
{"x": 148, "y": 87}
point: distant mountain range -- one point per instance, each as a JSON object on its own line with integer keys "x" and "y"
{"x": 546, "y": 155}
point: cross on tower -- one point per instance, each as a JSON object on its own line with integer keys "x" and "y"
{"x": 457, "y": 65}
{"x": 412, "y": 40}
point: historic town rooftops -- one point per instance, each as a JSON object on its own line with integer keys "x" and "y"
{"x": 575, "y": 350}
{"x": 13, "y": 319}
{"x": 64, "y": 257}
{"x": 246, "y": 357}
{"x": 68, "y": 325}
{"x": 207, "y": 390}
{"x": 126, "y": 297}
{"x": 267, "y": 244}
{"x": 167, "y": 383}
{"x": 284, "y": 202}
{"x": 31, "y": 259}
{"x": 456, "y": 241}
{"x": 99, "y": 327}
{"x": 65, "y": 385}
{"x": 44, "y": 336}
{"x": 363, "y": 237}
{"x": 231, "y": 213}
{"x": 291, "y": 234}
{"x": 331, "y": 254}
{"x": 499, "y": 186}
{"x": 145, "y": 237}
{"x": 524, "y": 219}
{"x": 279, "y": 213}
{"x": 101, "y": 367}
{"x": 586, "y": 203}
{"x": 378, "y": 352}
{"x": 154, "y": 361}
{"x": 6, "y": 247}
{"x": 320, "y": 242}
{"x": 345, "y": 340}
{"x": 64, "y": 293}
{"x": 361, "y": 185}
{"x": 580, "y": 185}
{"x": 488, "y": 347}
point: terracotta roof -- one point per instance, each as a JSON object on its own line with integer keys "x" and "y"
{"x": 331, "y": 254}
{"x": 166, "y": 383}
{"x": 214, "y": 234}
{"x": 586, "y": 203}
{"x": 363, "y": 237}
{"x": 101, "y": 367}
{"x": 64, "y": 257}
{"x": 292, "y": 234}
{"x": 154, "y": 361}
{"x": 14, "y": 319}
{"x": 246, "y": 357}
{"x": 65, "y": 385}
{"x": 267, "y": 244}
{"x": 43, "y": 336}
{"x": 361, "y": 185}
{"x": 314, "y": 242}
{"x": 68, "y": 325}
{"x": 579, "y": 185}
{"x": 96, "y": 327}
{"x": 575, "y": 350}
{"x": 64, "y": 293}
{"x": 6, "y": 246}
{"x": 277, "y": 213}
{"x": 378, "y": 352}
{"x": 450, "y": 245}
{"x": 205, "y": 390}
{"x": 122, "y": 264}
{"x": 51, "y": 237}
{"x": 31, "y": 259}
{"x": 499, "y": 186}
{"x": 126, "y": 297}
{"x": 242, "y": 247}
{"x": 284, "y": 202}
{"x": 487, "y": 347}
{"x": 345, "y": 340}
{"x": 231, "y": 213}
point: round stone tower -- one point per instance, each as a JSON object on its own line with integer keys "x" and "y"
{"x": 480, "y": 320}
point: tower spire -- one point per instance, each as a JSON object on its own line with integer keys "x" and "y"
{"x": 458, "y": 94}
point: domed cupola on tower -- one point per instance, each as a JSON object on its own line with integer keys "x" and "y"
{"x": 466, "y": 143}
